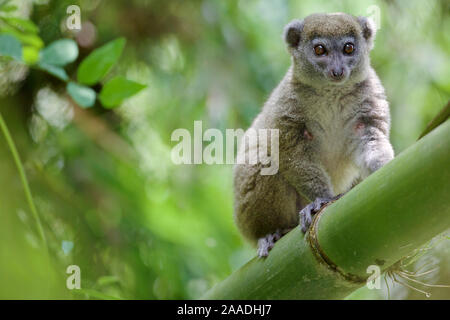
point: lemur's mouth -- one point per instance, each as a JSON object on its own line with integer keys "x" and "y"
{"x": 336, "y": 80}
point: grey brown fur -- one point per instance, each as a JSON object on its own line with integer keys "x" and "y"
{"x": 334, "y": 131}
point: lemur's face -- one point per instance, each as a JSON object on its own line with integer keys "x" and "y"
{"x": 331, "y": 59}
{"x": 330, "y": 49}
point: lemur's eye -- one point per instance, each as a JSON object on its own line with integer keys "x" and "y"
{"x": 320, "y": 50}
{"x": 349, "y": 48}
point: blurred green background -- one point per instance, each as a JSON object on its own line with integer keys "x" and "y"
{"x": 109, "y": 197}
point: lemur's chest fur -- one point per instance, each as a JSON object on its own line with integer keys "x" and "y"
{"x": 332, "y": 127}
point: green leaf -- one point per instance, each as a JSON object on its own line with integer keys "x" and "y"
{"x": 8, "y": 8}
{"x": 60, "y": 52}
{"x": 25, "y": 38}
{"x": 95, "y": 294}
{"x": 21, "y": 24}
{"x": 107, "y": 280}
{"x": 100, "y": 61}
{"x": 442, "y": 116}
{"x": 10, "y": 47}
{"x": 56, "y": 71}
{"x": 4, "y": 2}
{"x": 83, "y": 96}
{"x": 30, "y": 55}
{"x": 117, "y": 90}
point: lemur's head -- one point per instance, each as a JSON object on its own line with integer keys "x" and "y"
{"x": 330, "y": 49}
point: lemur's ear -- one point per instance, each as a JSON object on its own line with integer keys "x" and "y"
{"x": 368, "y": 30}
{"x": 292, "y": 33}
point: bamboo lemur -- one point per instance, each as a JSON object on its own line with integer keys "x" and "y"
{"x": 333, "y": 121}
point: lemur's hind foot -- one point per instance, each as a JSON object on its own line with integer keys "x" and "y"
{"x": 266, "y": 243}
{"x": 311, "y": 209}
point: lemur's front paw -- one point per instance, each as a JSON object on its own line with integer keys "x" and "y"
{"x": 266, "y": 243}
{"x": 378, "y": 160}
{"x": 311, "y": 209}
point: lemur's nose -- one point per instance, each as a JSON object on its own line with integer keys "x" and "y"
{"x": 337, "y": 73}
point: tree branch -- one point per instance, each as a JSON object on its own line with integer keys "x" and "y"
{"x": 383, "y": 219}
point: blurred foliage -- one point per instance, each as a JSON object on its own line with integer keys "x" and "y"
{"x": 109, "y": 197}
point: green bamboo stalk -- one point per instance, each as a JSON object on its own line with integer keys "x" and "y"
{"x": 442, "y": 116}
{"x": 24, "y": 180}
{"x": 383, "y": 219}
